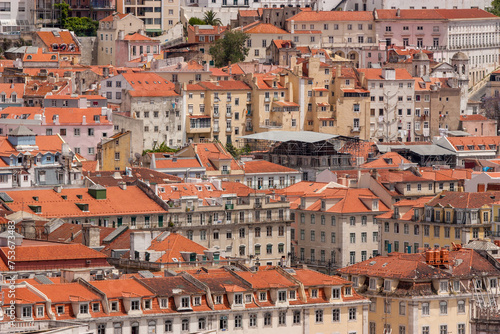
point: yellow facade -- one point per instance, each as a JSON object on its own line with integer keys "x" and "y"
{"x": 115, "y": 153}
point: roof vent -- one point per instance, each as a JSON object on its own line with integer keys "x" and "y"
{"x": 79, "y": 196}
{"x": 35, "y": 198}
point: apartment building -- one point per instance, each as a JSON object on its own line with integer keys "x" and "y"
{"x": 333, "y": 226}
{"x": 216, "y": 111}
{"x": 114, "y": 153}
{"x": 81, "y": 129}
{"x": 203, "y": 37}
{"x": 30, "y": 160}
{"x": 157, "y": 17}
{"x": 135, "y": 48}
{"x": 348, "y": 34}
{"x": 444, "y": 31}
{"x": 392, "y": 104}
{"x": 112, "y": 28}
{"x": 111, "y": 206}
{"x": 12, "y": 95}
{"x": 263, "y": 301}
{"x": 449, "y": 297}
{"x": 93, "y": 9}
{"x": 425, "y": 4}
{"x": 470, "y": 147}
{"x": 262, "y": 174}
{"x": 16, "y": 16}
{"x": 238, "y": 220}
{"x": 64, "y": 42}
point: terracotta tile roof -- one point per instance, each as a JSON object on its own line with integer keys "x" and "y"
{"x": 376, "y": 74}
{"x": 167, "y": 286}
{"x": 313, "y": 278}
{"x": 213, "y": 31}
{"x": 218, "y": 72}
{"x": 110, "y": 179}
{"x": 387, "y": 160}
{"x": 65, "y": 115}
{"x": 463, "y": 200}
{"x": 263, "y": 279}
{"x": 122, "y": 287}
{"x": 117, "y": 202}
{"x": 265, "y": 28}
{"x": 63, "y": 37}
{"x": 176, "y": 163}
{"x": 207, "y": 153}
{"x": 263, "y": 166}
{"x": 472, "y": 143}
{"x": 264, "y": 81}
{"x": 138, "y": 37}
{"x": 248, "y": 13}
{"x": 42, "y": 88}
{"x": 313, "y": 16}
{"x": 149, "y": 84}
{"x": 41, "y": 56}
{"x": 53, "y": 252}
{"x": 8, "y": 89}
{"x": 173, "y": 245}
{"x": 395, "y": 176}
{"x": 280, "y": 43}
{"x": 220, "y": 282}
{"x": 121, "y": 242}
{"x": 45, "y": 144}
{"x": 111, "y": 17}
{"x": 23, "y": 295}
{"x": 433, "y": 14}
{"x": 90, "y": 166}
{"x": 477, "y": 117}
{"x": 225, "y": 85}
{"x": 64, "y": 292}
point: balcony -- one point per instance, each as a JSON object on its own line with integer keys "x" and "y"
{"x": 229, "y": 115}
{"x": 267, "y": 99}
{"x": 355, "y": 129}
{"x": 225, "y": 172}
{"x": 229, "y": 206}
{"x": 271, "y": 125}
{"x": 257, "y": 205}
{"x": 216, "y": 129}
{"x": 228, "y": 129}
{"x": 249, "y": 128}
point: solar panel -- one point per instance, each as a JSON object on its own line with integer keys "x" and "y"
{"x": 146, "y": 274}
{"x": 43, "y": 279}
{"x": 6, "y": 198}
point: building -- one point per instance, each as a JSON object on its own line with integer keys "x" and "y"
{"x": 239, "y": 221}
{"x": 202, "y": 38}
{"x": 112, "y": 28}
{"x": 262, "y": 174}
{"x": 182, "y": 167}
{"x": 112, "y": 206}
{"x": 93, "y": 9}
{"x": 11, "y": 95}
{"x": 478, "y": 125}
{"x": 454, "y": 290}
{"x": 29, "y": 160}
{"x": 334, "y": 225}
{"x": 17, "y": 16}
{"x": 216, "y": 111}
{"x": 470, "y": 147}
{"x": 393, "y": 4}
{"x": 63, "y": 42}
{"x": 35, "y": 91}
{"x": 262, "y": 301}
{"x": 135, "y": 47}
{"x": 114, "y": 153}
{"x": 81, "y": 128}
{"x": 75, "y": 101}
{"x": 158, "y": 19}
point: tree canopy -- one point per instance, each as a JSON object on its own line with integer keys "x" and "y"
{"x": 196, "y": 21}
{"x": 495, "y": 7}
{"x": 230, "y": 48}
{"x": 161, "y": 148}
{"x": 211, "y": 19}
{"x": 81, "y": 26}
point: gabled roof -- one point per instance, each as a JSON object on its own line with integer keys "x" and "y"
{"x": 433, "y": 14}
{"x": 265, "y": 28}
{"x": 376, "y": 74}
{"x": 61, "y": 38}
{"x": 475, "y": 118}
{"x": 176, "y": 163}
{"x": 465, "y": 200}
{"x": 64, "y": 115}
{"x": 472, "y": 143}
{"x": 9, "y": 89}
{"x": 149, "y": 84}
{"x": 111, "y": 17}
{"x": 263, "y": 167}
{"x": 173, "y": 245}
{"x": 138, "y": 37}
{"x": 113, "y": 178}
{"x": 387, "y": 160}
{"x": 122, "y": 288}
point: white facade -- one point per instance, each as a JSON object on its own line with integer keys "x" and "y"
{"x": 113, "y": 88}
{"x": 16, "y": 16}
{"x": 405, "y": 4}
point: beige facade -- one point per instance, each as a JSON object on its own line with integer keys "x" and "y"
{"x": 216, "y": 111}
{"x": 158, "y": 17}
{"x": 112, "y": 28}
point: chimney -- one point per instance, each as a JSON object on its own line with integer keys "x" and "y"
{"x": 292, "y": 28}
{"x": 91, "y": 235}
{"x": 105, "y": 71}
{"x": 361, "y": 78}
{"x": 12, "y": 86}
{"x": 122, "y": 185}
{"x": 58, "y": 189}
{"x": 389, "y": 74}
{"x": 338, "y": 74}
{"x": 398, "y": 12}
{"x": 84, "y": 120}
{"x": 139, "y": 242}
{"x": 28, "y": 229}
{"x": 196, "y": 29}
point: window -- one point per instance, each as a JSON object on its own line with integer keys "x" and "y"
{"x": 425, "y": 330}
{"x": 185, "y": 302}
{"x": 267, "y": 319}
{"x": 185, "y": 325}
{"x": 461, "y": 328}
{"x": 443, "y": 307}
{"x": 296, "y": 317}
{"x": 336, "y": 293}
{"x": 319, "y": 316}
{"x": 27, "y": 311}
{"x": 352, "y": 313}
{"x": 443, "y": 329}
{"x": 238, "y": 321}
{"x": 402, "y": 308}
{"x": 253, "y": 320}
{"x": 461, "y": 306}
{"x": 425, "y": 309}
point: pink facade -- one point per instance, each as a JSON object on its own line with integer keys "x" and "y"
{"x": 127, "y": 50}
{"x": 478, "y": 125}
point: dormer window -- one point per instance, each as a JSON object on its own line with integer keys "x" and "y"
{"x": 27, "y": 312}
{"x": 218, "y": 299}
{"x": 282, "y": 296}
{"x": 197, "y": 301}
{"x": 248, "y": 298}
{"x": 372, "y": 284}
{"x": 347, "y": 291}
{"x": 147, "y": 304}
{"x": 335, "y": 293}
{"x": 302, "y": 202}
{"x": 456, "y": 286}
{"x": 135, "y": 305}
{"x": 292, "y": 295}
{"x": 114, "y": 306}
{"x": 238, "y": 299}
{"x": 323, "y": 204}
{"x": 84, "y": 308}
{"x": 355, "y": 280}
{"x": 262, "y": 296}
{"x": 164, "y": 303}
{"x": 314, "y": 293}
{"x": 185, "y": 302}
{"x": 60, "y": 309}
{"x": 387, "y": 285}
{"x": 443, "y": 286}
{"x": 95, "y": 307}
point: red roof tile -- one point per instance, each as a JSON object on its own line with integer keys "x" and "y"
{"x": 263, "y": 166}
{"x": 63, "y": 39}
{"x": 313, "y": 16}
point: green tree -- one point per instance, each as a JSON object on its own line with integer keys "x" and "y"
{"x": 230, "y": 48}
{"x": 211, "y": 19}
{"x": 495, "y": 7}
{"x": 64, "y": 12}
{"x": 159, "y": 149}
{"x": 196, "y": 21}
{"x": 82, "y": 26}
